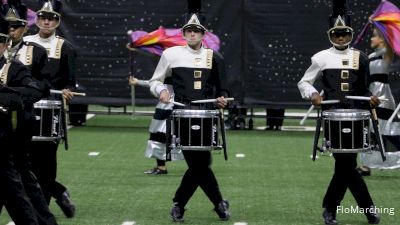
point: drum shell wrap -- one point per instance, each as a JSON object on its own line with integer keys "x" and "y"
{"x": 48, "y": 124}
{"x": 346, "y": 130}
{"x": 195, "y": 129}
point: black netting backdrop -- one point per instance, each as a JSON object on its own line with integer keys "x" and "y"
{"x": 267, "y": 45}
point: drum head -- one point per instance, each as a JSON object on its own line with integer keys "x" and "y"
{"x": 346, "y": 114}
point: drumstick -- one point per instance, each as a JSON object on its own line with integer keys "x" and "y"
{"x": 211, "y": 100}
{"x": 325, "y": 102}
{"x": 390, "y": 120}
{"x": 177, "y": 103}
{"x": 382, "y": 98}
{"x": 309, "y": 110}
{"x": 73, "y": 93}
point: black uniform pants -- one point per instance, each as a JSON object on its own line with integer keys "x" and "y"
{"x": 13, "y": 195}
{"x": 34, "y": 191}
{"x": 346, "y": 176}
{"x": 198, "y": 174}
{"x": 44, "y": 166}
{"x": 275, "y": 117}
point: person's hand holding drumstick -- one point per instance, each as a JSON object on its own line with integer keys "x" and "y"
{"x": 67, "y": 94}
{"x": 316, "y": 99}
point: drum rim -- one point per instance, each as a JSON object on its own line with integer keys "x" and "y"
{"x": 47, "y": 104}
{"x": 195, "y": 113}
{"x": 346, "y": 150}
{"x": 346, "y": 114}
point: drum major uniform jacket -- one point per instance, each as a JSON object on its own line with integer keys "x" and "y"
{"x": 61, "y": 60}
{"x": 193, "y": 74}
{"x": 342, "y": 73}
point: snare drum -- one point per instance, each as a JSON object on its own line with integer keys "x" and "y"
{"x": 195, "y": 130}
{"x": 48, "y": 125}
{"x": 346, "y": 130}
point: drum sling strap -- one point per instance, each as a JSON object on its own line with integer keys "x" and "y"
{"x": 316, "y": 137}
{"x": 375, "y": 125}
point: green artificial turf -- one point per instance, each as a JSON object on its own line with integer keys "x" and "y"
{"x": 276, "y": 183}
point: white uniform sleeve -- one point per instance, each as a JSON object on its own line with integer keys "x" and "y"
{"x": 157, "y": 81}
{"x": 305, "y": 85}
{"x": 143, "y": 83}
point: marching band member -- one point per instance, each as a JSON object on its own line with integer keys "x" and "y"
{"x": 380, "y": 61}
{"x": 17, "y": 89}
{"x": 156, "y": 147}
{"x": 35, "y": 58}
{"x": 61, "y": 64}
{"x": 343, "y": 71}
{"x": 193, "y": 73}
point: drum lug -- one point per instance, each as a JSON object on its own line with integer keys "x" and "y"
{"x": 325, "y": 145}
{"x": 175, "y": 141}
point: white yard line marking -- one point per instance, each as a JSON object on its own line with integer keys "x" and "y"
{"x": 240, "y": 155}
{"x": 240, "y": 223}
{"x": 94, "y": 153}
{"x": 129, "y": 223}
{"x": 89, "y": 116}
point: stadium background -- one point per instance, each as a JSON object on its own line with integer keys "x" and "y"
{"x": 267, "y": 45}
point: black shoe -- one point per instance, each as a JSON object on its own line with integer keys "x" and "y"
{"x": 156, "y": 171}
{"x": 329, "y": 218}
{"x": 177, "y": 213}
{"x": 223, "y": 210}
{"x": 66, "y": 205}
{"x": 373, "y": 216}
{"x": 364, "y": 171}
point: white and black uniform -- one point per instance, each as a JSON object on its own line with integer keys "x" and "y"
{"x": 194, "y": 75}
{"x": 342, "y": 72}
{"x": 61, "y": 60}
{"x": 379, "y": 86}
{"x": 156, "y": 147}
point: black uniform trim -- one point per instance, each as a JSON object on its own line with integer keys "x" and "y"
{"x": 159, "y": 137}
{"x": 375, "y": 58}
{"x": 161, "y": 114}
{"x": 379, "y": 77}
{"x": 384, "y": 113}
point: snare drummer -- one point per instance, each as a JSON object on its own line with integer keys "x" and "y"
{"x": 34, "y": 57}
{"x": 17, "y": 88}
{"x": 156, "y": 145}
{"x": 194, "y": 73}
{"x": 343, "y": 71}
{"x": 61, "y": 65}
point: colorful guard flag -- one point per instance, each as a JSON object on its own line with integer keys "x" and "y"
{"x": 157, "y": 41}
{"x": 386, "y": 18}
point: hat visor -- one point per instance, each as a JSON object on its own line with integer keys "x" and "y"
{"x": 17, "y": 23}
{"x": 343, "y": 29}
{"x": 48, "y": 14}
{"x": 196, "y": 26}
